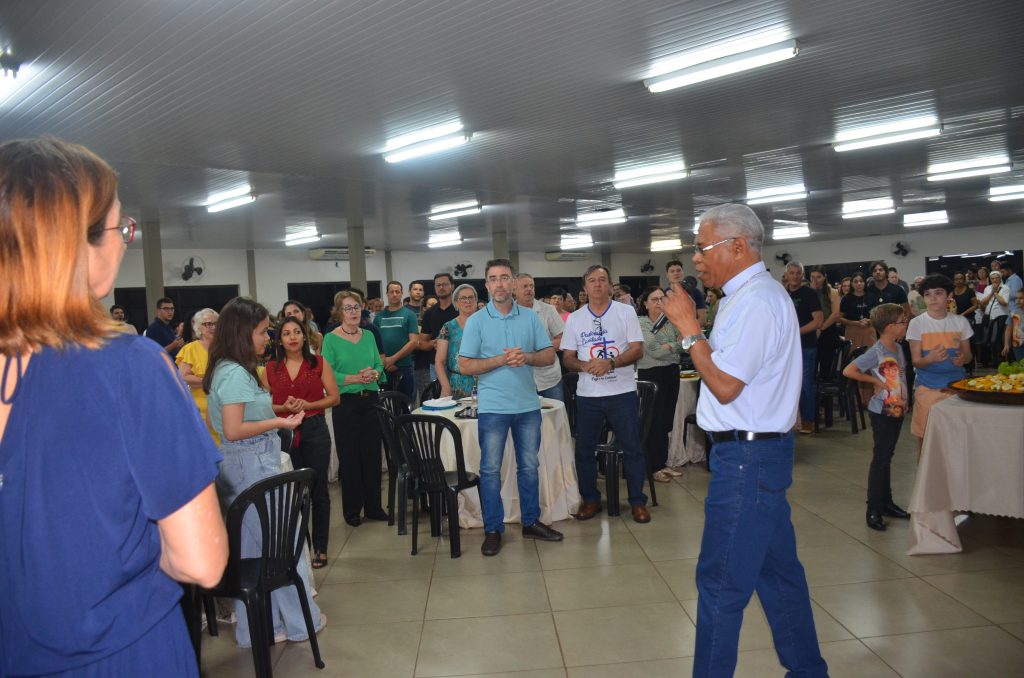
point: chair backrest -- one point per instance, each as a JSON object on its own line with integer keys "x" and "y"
{"x": 569, "y": 382}
{"x": 431, "y": 391}
{"x": 833, "y": 372}
{"x": 395, "y": 402}
{"x": 391, "y": 405}
{"x": 420, "y": 437}
{"x": 281, "y": 503}
{"x": 647, "y": 393}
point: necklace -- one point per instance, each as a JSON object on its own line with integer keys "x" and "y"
{"x": 351, "y": 334}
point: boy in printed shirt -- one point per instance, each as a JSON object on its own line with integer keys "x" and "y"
{"x": 1013, "y": 342}
{"x": 884, "y": 367}
{"x": 939, "y": 347}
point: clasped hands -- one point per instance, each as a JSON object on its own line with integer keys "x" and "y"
{"x": 939, "y": 354}
{"x": 514, "y": 357}
{"x": 367, "y": 375}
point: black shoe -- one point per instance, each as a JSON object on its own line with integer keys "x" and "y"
{"x": 875, "y": 521}
{"x": 541, "y": 531}
{"x": 492, "y": 544}
{"x": 354, "y": 521}
{"x": 894, "y": 511}
{"x": 376, "y": 514}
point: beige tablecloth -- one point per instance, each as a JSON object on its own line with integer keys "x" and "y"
{"x": 972, "y": 460}
{"x": 559, "y": 491}
{"x": 685, "y": 405}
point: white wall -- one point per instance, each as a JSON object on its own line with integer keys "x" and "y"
{"x": 922, "y": 244}
{"x": 276, "y": 268}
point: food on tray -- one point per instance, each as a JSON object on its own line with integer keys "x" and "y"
{"x": 994, "y": 383}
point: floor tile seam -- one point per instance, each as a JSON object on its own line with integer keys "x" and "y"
{"x": 901, "y": 634}
{"x": 637, "y": 661}
{"x": 961, "y": 602}
{"x": 423, "y": 620}
{"x": 600, "y": 567}
{"x": 956, "y": 572}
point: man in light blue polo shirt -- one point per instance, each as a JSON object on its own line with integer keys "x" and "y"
{"x": 501, "y": 344}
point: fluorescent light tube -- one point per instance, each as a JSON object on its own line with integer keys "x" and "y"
{"x": 925, "y": 218}
{"x": 666, "y": 245}
{"x": 228, "y": 204}
{"x": 963, "y": 174}
{"x": 888, "y": 139}
{"x": 789, "y": 232}
{"x": 454, "y": 213}
{"x": 424, "y": 134}
{"x": 1000, "y": 193}
{"x": 304, "y": 233}
{"x": 869, "y": 213}
{"x": 652, "y": 174}
{"x": 227, "y": 195}
{"x": 887, "y": 128}
{"x": 302, "y": 240}
{"x": 576, "y": 242}
{"x": 651, "y": 179}
{"x": 776, "y": 194}
{"x": 601, "y": 218}
{"x": 443, "y": 243}
{"x": 726, "y": 65}
{"x": 865, "y": 205}
{"x": 452, "y": 206}
{"x": 985, "y": 161}
{"x": 427, "y": 147}
{"x": 723, "y": 49}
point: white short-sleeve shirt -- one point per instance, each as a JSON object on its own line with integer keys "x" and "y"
{"x": 756, "y": 340}
{"x": 604, "y": 336}
{"x": 549, "y": 375}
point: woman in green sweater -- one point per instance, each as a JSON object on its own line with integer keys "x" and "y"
{"x": 352, "y": 354}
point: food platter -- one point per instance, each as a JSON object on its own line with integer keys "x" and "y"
{"x": 982, "y": 392}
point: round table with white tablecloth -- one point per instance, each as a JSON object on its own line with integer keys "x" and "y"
{"x": 559, "y": 491}
{"x": 686, "y": 405}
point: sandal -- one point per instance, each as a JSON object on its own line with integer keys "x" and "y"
{"x": 319, "y": 561}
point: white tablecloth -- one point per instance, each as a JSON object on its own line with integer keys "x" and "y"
{"x": 972, "y": 460}
{"x": 686, "y": 405}
{"x": 559, "y": 491}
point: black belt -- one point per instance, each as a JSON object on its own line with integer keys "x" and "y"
{"x": 360, "y": 394}
{"x": 747, "y": 436}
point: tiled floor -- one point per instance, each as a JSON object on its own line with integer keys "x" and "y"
{"x": 618, "y": 599}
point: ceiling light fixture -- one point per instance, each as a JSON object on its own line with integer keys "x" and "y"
{"x": 777, "y": 194}
{"x": 574, "y": 242}
{"x": 673, "y": 245}
{"x": 925, "y": 218}
{"x": 222, "y": 196}
{"x": 991, "y": 164}
{"x": 722, "y": 65}
{"x": 920, "y": 127}
{"x": 653, "y": 174}
{"x": 445, "y": 238}
{"x": 453, "y": 210}
{"x": 790, "y": 230}
{"x": 229, "y": 203}
{"x": 871, "y": 207}
{"x": 605, "y": 218}
{"x": 303, "y": 239}
{"x": 1001, "y": 193}
{"x": 425, "y": 142}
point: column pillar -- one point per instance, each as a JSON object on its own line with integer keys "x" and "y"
{"x": 356, "y": 239}
{"x": 153, "y": 265}
{"x": 250, "y": 266}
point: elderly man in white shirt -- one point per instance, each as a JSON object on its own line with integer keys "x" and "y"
{"x": 750, "y": 383}
{"x": 549, "y": 378}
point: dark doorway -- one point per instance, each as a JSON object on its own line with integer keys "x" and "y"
{"x": 187, "y": 300}
{"x": 949, "y": 264}
{"x": 319, "y": 297}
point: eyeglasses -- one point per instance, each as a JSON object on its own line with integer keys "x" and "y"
{"x": 209, "y": 325}
{"x": 166, "y": 308}
{"x": 707, "y": 248}
{"x": 465, "y": 298}
{"x": 351, "y": 309}
{"x": 500, "y": 278}
{"x": 656, "y": 300}
{"x": 127, "y": 228}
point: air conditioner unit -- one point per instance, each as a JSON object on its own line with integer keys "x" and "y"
{"x": 335, "y": 253}
{"x": 568, "y": 256}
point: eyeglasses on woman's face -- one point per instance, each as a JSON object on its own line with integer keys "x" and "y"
{"x": 127, "y": 227}
{"x": 466, "y": 298}
{"x": 209, "y": 324}
{"x": 351, "y": 308}
{"x": 656, "y": 300}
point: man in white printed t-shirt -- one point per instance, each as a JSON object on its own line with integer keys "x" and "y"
{"x": 599, "y": 340}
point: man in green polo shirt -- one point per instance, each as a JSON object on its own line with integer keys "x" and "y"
{"x": 399, "y": 332}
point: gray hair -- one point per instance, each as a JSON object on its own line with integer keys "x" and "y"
{"x": 523, "y": 275}
{"x": 797, "y": 265}
{"x": 739, "y": 221}
{"x": 464, "y": 286}
{"x": 197, "y": 320}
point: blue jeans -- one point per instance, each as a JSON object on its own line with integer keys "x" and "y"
{"x": 403, "y": 380}
{"x": 622, "y": 412}
{"x": 808, "y": 386}
{"x": 493, "y": 432}
{"x": 749, "y": 545}
{"x": 245, "y": 462}
{"x": 556, "y": 392}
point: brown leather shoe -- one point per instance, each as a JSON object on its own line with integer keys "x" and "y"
{"x": 641, "y": 514}
{"x": 588, "y": 510}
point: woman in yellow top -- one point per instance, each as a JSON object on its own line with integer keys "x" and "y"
{"x": 192, "y": 359}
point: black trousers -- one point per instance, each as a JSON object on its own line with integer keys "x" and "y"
{"x": 886, "y": 431}
{"x": 667, "y": 379}
{"x": 314, "y": 451}
{"x": 358, "y": 440}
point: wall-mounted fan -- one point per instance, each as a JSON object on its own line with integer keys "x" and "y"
{"x": 784, "y": 258}
{"x": 901, "y": 249}
{"x": 192, "y": 268}
{"x": 462, "y": 269}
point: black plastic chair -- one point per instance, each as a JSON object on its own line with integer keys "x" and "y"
{"x": 569, "y": 382}
{"x": 390, "y": 405}
{"x": 855, "y": 403}
{"x": 431, "y": 391}
{"x": 831, "y": 385}
{"x": 611, "y": 452}
{"x": 420, "y": 437}
{"x": 282, "y": 505}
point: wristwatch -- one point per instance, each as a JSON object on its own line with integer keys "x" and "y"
{"x": 688, "y": 341}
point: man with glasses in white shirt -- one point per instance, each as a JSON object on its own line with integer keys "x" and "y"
{"x": 548, "y": 379}
{"x": 750, "y": 372}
